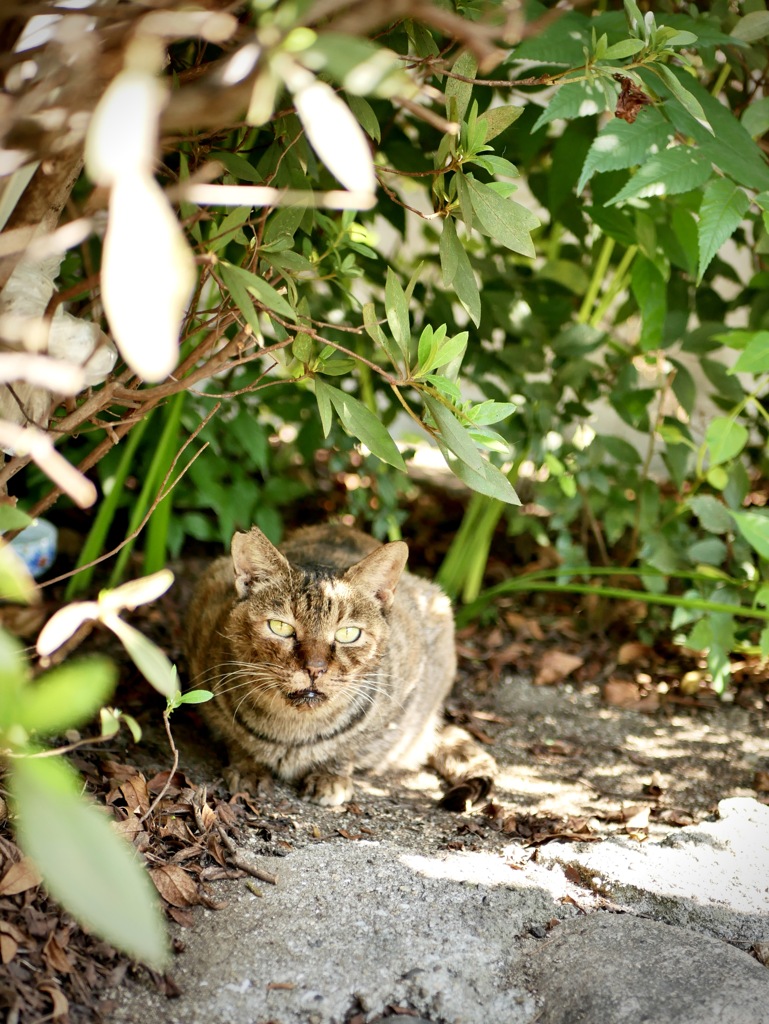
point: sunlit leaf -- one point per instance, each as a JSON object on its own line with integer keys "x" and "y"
{"x": 332, "y": 129}
{"x": 754, "y": 527}
{"x": 63, "y": 624}
{"x": 362, "y": 424}
{"x": 725, "y": 439}
{"x": 458, "y": 93}
{"x": 500, "y": 118}
{"x": 396, "y": 306}
{"x": 258, "y": 287}
{"x": 16, "y": 582}
{"x": 147, "y": 276}
{"x": 722, "y": 209}
{"x": 147, "y": 656}
{"x": 130, "y": 595}
{"x": 503, "y": 220}
{"x": 455, "y": 436}
{"x": 89, "y": 869}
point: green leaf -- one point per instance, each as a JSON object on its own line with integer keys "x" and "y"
{"x": 241, "y": 298}
{"x": 450, "y": 350}
{"x": 457, "y": 270}
{"x": 690, "y": 104}
{"x": 455, "y": 436}
{"x": 752, "y": 27}
{"x": 237, "y": 166}
{"x": 377, "y": 335}
{"x": 196, "y": 697}
{"x": 732, "y": 149}
{"x": 755, "y": 358}
{"x": 263, "y": 292}
{"x": 324, "y": 404}
{"x": 754, "y": 527}
{"x": 397, "y": 309}
{"x": 364, "y": 112}
{"x": 362, "y": 424}
{"x": 679, "y": 169}
{"x": 619, "y": 145}
{"x": 573, "y": 100}
{"x": 67, "y": 697}
{"x": 725, "y": 439}
{"x": 458, "y": 93}
{"x": 500, "y": 118}
{"x": 624, "y": 48}
{"x": 13, "y": 518}
{"x": 503, "y": 220}
{"x": 491, "y": 412}
{"x": 755, "y": 118}
{"x": 489, "y": 481}
{"x": 91, "y": 871}
{"x": 723, "y": 206}
{"x": 16, "y": 583}
{"x": 147, "y": 656}
{"x": 650, "y": 292}
{"x": 713, "y": 515}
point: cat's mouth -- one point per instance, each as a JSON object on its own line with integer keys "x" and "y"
{"x": 308, "y": 698}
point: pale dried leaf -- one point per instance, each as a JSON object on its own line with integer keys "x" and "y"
{"x": 148, "y": 272}
{"x": 555, "y": 666}
{"x": 333, "y": 131}
{"x": 130, "y": 595}
{"x": 19, "y": 877}
{"x": 63, "y": 624}
{"x": 123, "y": 132}
{"x": 174, "y": 885}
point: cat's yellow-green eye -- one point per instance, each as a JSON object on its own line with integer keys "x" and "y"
{"x": 347, "y": 634}
{"x": 280, "y": 628}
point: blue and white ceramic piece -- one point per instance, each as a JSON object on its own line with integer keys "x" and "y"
{"x": 36, "y": 546}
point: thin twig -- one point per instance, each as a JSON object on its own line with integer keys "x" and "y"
{"x": 167, "y": 784}
{"x": 240, "y": 862}
{"x": 163, "y": 492}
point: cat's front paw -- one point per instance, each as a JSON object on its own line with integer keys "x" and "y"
{"x": 253, "y": 778}
{"x": 326, "y": 789}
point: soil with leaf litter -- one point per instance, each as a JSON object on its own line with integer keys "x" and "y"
{"x": 595, "y": 733}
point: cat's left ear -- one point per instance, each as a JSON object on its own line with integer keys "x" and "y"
{"x": 380, "y": 571}
{"x": 255, "y": 560}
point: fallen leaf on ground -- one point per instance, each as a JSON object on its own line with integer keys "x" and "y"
{"x": 555, "y": 666}
{"x": 621, "y": 693}
{"x": 174, "y": 885}
{"x": 632, "y": 651}
{"x": 19, "y": 877}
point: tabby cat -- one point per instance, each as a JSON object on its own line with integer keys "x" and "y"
{"x": 324, "y": 657}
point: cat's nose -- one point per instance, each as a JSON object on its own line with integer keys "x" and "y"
{"x": 315, "y": 668}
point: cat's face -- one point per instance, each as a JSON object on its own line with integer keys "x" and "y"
{"x": 313, "y": 635}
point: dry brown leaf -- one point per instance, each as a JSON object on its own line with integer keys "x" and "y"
{"x": 136, "y": 794}
{"x": 621, "y": 693}
{"x": 56, "y": 956}
{"x": 555, "y": 666}
{"x": 175, "y": 885}
{"x": 761, "y": 782}
{"x": 59, "y": 1000}
{"x": 8, "y": 948}
{"x": 636, "y": 816}
{"x": 19, "y": 877}
{"x": 130, "y": 828}
{"x": 524, "y": 625}
{"x": 634, "y": 651}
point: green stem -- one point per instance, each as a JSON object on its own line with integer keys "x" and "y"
{"x": 97, "y": 535}
{"x": 599, "y": 273}
{"x": 161, "y": 460}
{"x": 618, "y": 282}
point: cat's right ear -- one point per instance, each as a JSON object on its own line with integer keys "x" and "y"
{"x": 255, "y": 560}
